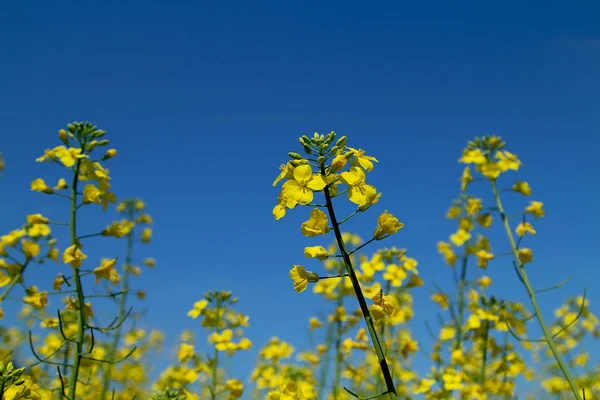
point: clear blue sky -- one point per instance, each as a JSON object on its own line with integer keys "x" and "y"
{"x": 204, "y": 99}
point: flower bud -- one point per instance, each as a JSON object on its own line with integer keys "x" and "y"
{"x": 341, "y": 142}
{"x": 109, "y": 154}
{"x": 62, "y": 134}
{"x": 321, "y": 160}
{"x": 307, "y": 149}
{"x": 98, "y": 134}
{"x": 103, "y": 142}
{"x": 297, "y": 156}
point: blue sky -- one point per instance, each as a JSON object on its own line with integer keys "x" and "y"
{"x": 204, "y": 99}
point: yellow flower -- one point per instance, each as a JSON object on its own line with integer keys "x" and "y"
{"x": 301, "y": 277}
{"x": 483, "y": 257}
{"x": 39, "y": 185}
{"x": 301, "y": 187}
{"x": 490, "y": 169}
{"x": 110, "y": 153}
{"x": 472, "y": 156}
{"x": 91, "y": 194}
{"x": 473, "y": 206}
{"x": 484, "y": 282}
{"x": 73, "y": 255}
{"x": 453, "y": 212}
{"x": 358, "y": 191}
{"x": 316, "y": 225}
{"x": 525, "y": 255}
{"x": 287, "y": 172}
{"x": 37, "y": 230}
{"x": 452, "y": 380}
{"x": 441, "y": 299}
{"x": 522, "y": 187}
{"x": 107, "y": 270}
{"x": 384, "y": 305}
{"x": 460, "y": 237}
{"x": 318, "y": 252}
{"x": 314, "y": 323}
{"x": 146, "y": 235}
{"x": 222, "y": 341}
{"x": 338, "y": 163}
{"x": 387, "y": 225}
{"x": 35, "y": 298}
{"x": 447, "y": 333}
{"x": 507, "y": 160}
{"x": 235, "y": 388}
{"x": 358, "y": 157}
{"x": 149, "y": 262}
{"x": 485, "y": 220}
{"x": 465, "y": 179}
{"x": 36, "y": 219}
{"x": 31, "y": 249}
{"x": 186, "y": 352}
{"x": 197, "y": 309}
{"x": 525, "y": 227}
{"x": 61, "y": 184}
{"x": 535, "y": 208}
{"x": 395, "y": 275}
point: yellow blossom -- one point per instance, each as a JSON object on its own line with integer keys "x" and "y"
{"x": 465, "y": 179}
{"x": 358, "y": 191}
{"x": 301, "y": 187}
{"x": 73, "y": 255}
{"x": 387, "y": 225}
{"x": 460, "y": 237}
{"x": 472, "y": 156}
{"x": 525, "y": 227}
{"x": 146, "y": 235}
{"x": 107, "y": 270}
{"x": 483, "y": 257}
{"x": 395, "y": 275}
{"x": 522, "y": 187}
{"x": 301, "y": 277}
{"x": 318, "y": 252}
{"x": 61, "y": 184}
{"x": 441, "y": 299}
{"x": 525, "y": 255}
{"x": 485, "y": 220}
{"x": 197, "y": 309}
{"x": 338, "y": 163}
{"x": 39, "y": 185}
{"x": 316, "y": 225}
{"x": 359, "y": 157}
{"x": 186, "y": 352}
{"x": 31, "y": 249}
{"x": 535, "y": 208}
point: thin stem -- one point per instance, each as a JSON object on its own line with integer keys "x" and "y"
{"x": 533, "y": 298}
{"x": 385, "y": 370}
{"x": 213, "y": 382}
{"x": 338, "y": 350}
{"x": 80, "y": 336}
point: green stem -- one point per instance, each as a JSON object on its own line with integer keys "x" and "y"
{"x": 80, "y": 336}
{"x": 486, "y": 336}
{"x": 325, "y": 363}
{"x": 338, "y": 350}
{"x": 385, "y": 370}
{"x": 122, "y": 310}
{"x": 530, "y": 291}
{"x": 213, "y": 383}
